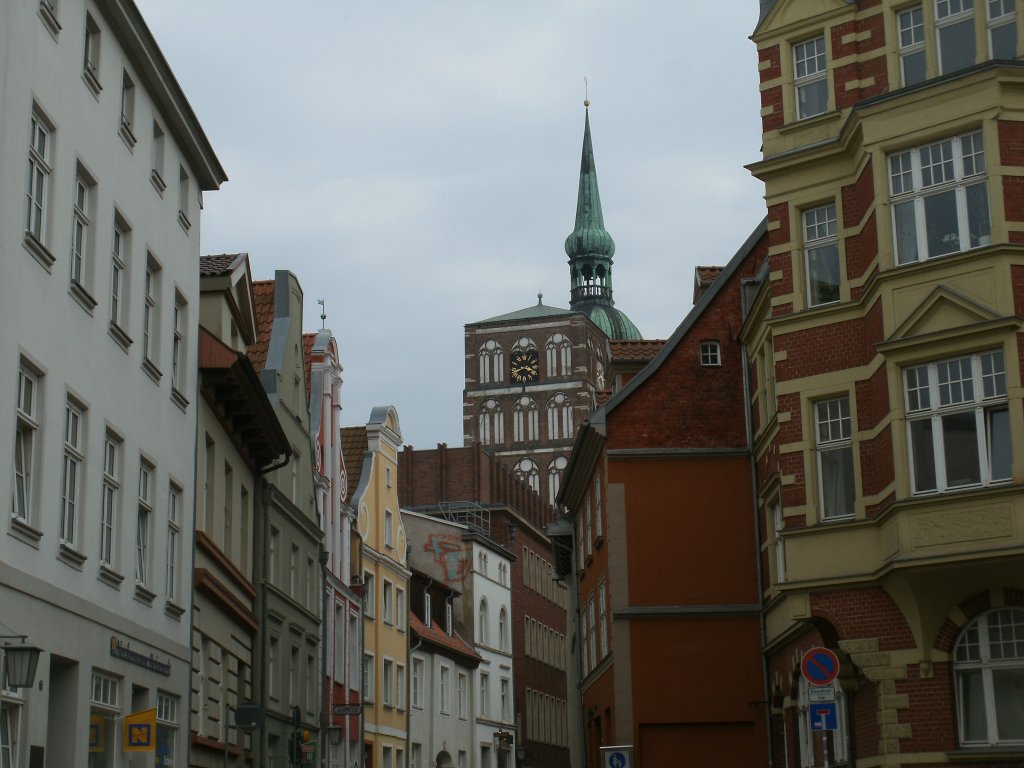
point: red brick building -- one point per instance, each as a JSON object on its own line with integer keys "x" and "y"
{"x": 884, "y": 347}
{"x": 470, "y": 486}
{"x": 659, "y": 491}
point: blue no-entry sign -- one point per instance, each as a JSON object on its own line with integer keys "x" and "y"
{"x": 819, "y": 666}
{"x": 822, "y": 716}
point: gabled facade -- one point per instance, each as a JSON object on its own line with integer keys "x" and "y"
{"x": 884, "y": 344}
{"x": 658, "y": 550}
{"x": 99, "y": 243}
{"x": 342, "y": 630}
{"x": 239, "y": 436}
{"x": 374, "y": 449}
{"x": 471, "y": 486}
{"x": 288, "y": 535}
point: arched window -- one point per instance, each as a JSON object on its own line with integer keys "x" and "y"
{"x": 492, "y": 362}
{"x": 482, "y": 621}
{"x": 988, "y": 662}
{"x": 503, "y": 629}
{"x": 526, "y": 470}
{"x": 558, "y": 352}
{"x": 560, "y": 422}
{"x": 492, "y": 423}
{"x": 525, "y": 420}
{"x": 555, "y": 470}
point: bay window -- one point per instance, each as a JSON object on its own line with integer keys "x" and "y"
{"x": 939, "y": 198}
{"x": 958, "y": 422}
{"x": 954, "y": 22}
{"x": 988, "y": 662}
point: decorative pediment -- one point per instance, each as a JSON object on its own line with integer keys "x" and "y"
{"x": 943, "y": 310}
{"x": 786, "y": 14}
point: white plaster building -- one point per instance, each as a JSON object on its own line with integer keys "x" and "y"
{"x": 478, "y": 569}
{"x": 102, "y": 169}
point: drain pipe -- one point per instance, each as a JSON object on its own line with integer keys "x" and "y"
{"x": 765, "y": 678}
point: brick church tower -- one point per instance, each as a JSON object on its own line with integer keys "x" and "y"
{"x": 532, "y": 375}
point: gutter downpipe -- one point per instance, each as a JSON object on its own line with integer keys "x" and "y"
{"x": 757, "y": 543}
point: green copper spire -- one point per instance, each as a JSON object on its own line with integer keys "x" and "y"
{"x": 590, "y": 249}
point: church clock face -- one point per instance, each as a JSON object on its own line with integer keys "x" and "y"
{"x": 524, "y": 366}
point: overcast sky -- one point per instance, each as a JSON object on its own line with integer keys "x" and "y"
{"x": 415, "y": 163}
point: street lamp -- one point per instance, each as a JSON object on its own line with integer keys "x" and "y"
{"x": 20, "y": 662}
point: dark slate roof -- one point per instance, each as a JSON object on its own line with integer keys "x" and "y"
{"x": 307, "y": 357}
{"x": 263, "y": 309}
{"x": 530, "y": 313}
{"x": 218, "y": 264}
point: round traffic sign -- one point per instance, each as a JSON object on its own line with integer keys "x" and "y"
{"x": 819, "y": 666}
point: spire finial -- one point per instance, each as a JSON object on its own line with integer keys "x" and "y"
{"x": 586, "y": 92}
{"x": 540, "y": 299}
{"x": 323, "y": 314}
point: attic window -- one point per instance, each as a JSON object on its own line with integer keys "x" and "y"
{"x": 710, "y": 353}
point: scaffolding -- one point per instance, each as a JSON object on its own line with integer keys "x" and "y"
{"x": 468, "y": 513}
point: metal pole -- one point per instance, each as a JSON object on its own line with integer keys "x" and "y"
{"x": 824, "y": 737}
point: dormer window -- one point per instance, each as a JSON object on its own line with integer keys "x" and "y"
{"x": 810, "y": 76}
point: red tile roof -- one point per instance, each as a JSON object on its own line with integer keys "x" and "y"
{"x": 436, "y": 636}
{"x": 703, "y": 277}
{"x": 636, "y": 350}
{"x": 353, "y": 450}
{"x": 263, "y": 309}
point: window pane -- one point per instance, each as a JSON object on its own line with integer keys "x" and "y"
{"x": 812, "y": 99}
{"x": 941, "y": 224}
{"x": 956, "y": 43}
{"x": 960, "y": 443}
{"x": 1009, "y": 701}
{"x": 923, "y": 455}
{"x": 837, "y": 482}
{"x": 972, "y": 706}
{"x": 977, "y": 215}
{"x": 823, "y": 274}
{"x": 906, "y": 232}
{"x": 999, "y": 443}
{"x": 1004, "y": 41}
{"x": 913, "y": 68}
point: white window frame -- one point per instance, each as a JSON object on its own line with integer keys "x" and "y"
{"x": 37, "y": 192}
{"x": 602, "y": 618}
{"x": 833, "y": 424}
{"x": 118, "y": 272}
{"x": 174, "y": 509}
{"x": 178, "y": 343}
{"x": 26, "y": 445}
{"x": 526, "y": 470}
{"x": 988, "y": 647}
{"x": 444, "y": 690}
{"x": 911, "y": 36}
{"x": 91, "y": 54}
{"x": 369, "y": 671}
{"x": 483, "y": 616}
{"x": 110, "y": 500}
{"x": 960, "y": 161}
{"x": 151, "y": 311}
{"x": 485, "y": 694}
{"x": 147, "y": 473}
{"x": 710, "y": 354}
{"x": 400, "y": 687}
{"x": 388, "y": 682}
{"x": 389, "y": 534}
{"x": 71, "y": 485}
{"x": 388, "y": 602}
{"x": 778, "y": 525}
{"x": 821, "y": 243}
{"x": 810, "y": 68}
{"x": 462, "y": 685}
{"x": 950, "y": 14}
{"x": 416, "y": 683}
{"x": 924, "y": 390}
{"x": 997, "y": 17}
{"x": 81, "y": 228}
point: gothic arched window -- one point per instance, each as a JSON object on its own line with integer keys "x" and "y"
{"x": 526, "y": 470}
{"x": 482, "y": 632}
{"x": 491, "y": 361}
{"x": 492, "y": 423}
{"x": 560, "y": 422}
{"x": 555, "y": 470}
{"x": 525, "y": 420}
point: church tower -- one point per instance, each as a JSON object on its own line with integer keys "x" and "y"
{"x": 532, "y": 375}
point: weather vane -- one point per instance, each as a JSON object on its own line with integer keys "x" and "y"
{"x": 586, "y": 92}
{"x": 323, "y": 314}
